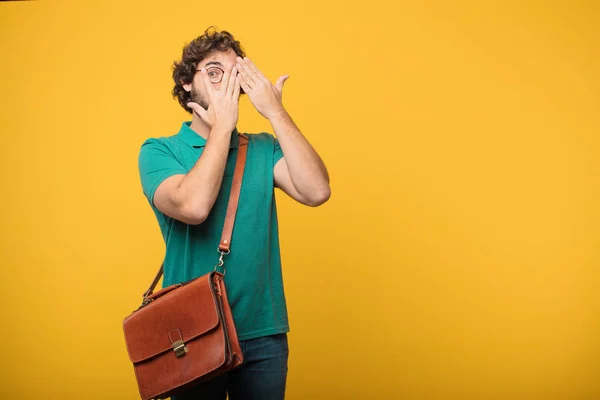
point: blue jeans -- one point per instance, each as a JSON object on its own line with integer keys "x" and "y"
{"x": 262, "y": 375}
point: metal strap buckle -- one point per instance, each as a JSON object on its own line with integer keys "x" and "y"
{"x": 221, "y": 262}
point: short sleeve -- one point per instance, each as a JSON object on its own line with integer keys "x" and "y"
{"x": 277, "y": 152}
{"x": 156, "y": 163}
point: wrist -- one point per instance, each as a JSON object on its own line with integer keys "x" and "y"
{"x": 221, "y": 129}
{"x": 278, "y": 113}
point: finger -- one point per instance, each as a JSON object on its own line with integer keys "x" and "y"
{"x": 249, "y": 73}
{"x": 232, "y": 80}
{"x": 244, "y": 84}
{"x": 253, "y": 67}
{"x": 198, "y": 109}
{"x": 280, "y": 82}
{"x": 236, "y": 89}
{"x": 247, "y": 79}
{"x": 225, "y": 80}
{"x": 244, "y": 74}
{"x": 207, "y": 84}
{"x": 257, "y": 72}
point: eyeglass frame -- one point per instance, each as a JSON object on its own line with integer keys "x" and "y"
{"x": 211, "y": 67}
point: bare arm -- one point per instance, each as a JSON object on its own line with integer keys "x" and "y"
{"x": 190, "y": 197}
{"x": 301, "y": 173}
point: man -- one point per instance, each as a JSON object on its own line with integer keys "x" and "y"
{"x": 186, "y": 178}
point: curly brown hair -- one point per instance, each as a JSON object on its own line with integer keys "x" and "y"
{"x": 196, "y": 51}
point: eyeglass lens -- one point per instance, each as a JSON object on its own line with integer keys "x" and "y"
{"x": 214, "y": 74}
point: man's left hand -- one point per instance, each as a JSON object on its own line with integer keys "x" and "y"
{"x": 265, "y": 96}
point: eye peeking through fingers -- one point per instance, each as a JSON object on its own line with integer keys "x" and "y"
{"x": 215, "y": 74}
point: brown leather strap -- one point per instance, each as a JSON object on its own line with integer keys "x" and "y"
{"x": 234, "y": 196}
{"x": 154, "y": 282}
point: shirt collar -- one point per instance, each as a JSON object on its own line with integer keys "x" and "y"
{"x": 188, "y": 135}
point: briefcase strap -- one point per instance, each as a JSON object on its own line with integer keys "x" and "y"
{"x": 234, "y": 196}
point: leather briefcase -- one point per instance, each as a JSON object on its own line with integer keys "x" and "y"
{"x": 184, "y": 334}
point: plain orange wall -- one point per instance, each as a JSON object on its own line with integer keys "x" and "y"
{"x": 457, "y": 258}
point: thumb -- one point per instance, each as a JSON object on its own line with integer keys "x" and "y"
{"x": 280, "y": 82}
{"x": 198, "y": 109}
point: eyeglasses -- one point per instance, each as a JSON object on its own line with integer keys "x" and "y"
{"x": 215, "y": 74}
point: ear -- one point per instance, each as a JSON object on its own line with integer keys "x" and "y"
{"x": 187, "y": 87}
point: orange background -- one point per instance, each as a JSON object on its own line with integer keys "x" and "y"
{"x": 457, "y": 258}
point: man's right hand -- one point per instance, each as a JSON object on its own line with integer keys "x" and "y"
{"x": 190, "y": 197}
{"x": 223, "y": 107}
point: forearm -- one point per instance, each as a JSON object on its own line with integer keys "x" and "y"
{"x": 200, "y": 187}
{"x": 307, "y": 170}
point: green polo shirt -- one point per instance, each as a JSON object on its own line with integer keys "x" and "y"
{"x": 253, "y": 269}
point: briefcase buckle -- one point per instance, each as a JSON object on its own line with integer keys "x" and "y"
{"x": 179, "y": 348}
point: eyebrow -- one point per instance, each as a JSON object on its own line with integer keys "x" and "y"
{"x": 213, "y": 62}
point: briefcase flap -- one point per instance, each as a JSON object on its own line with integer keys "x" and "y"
{"x": 182, "y": 314}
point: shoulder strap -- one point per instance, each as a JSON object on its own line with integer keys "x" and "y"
{"x": 234, "y": 196}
